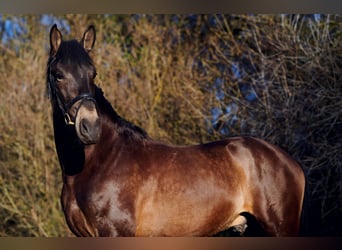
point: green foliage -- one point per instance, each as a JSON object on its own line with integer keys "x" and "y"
{"x": 167, "y": 74}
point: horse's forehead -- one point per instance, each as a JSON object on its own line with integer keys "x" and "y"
{"x": 72, "y": 54}
{"x": 73, "y": 67}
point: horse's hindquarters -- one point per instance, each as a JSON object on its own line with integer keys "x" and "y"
{"x": 275, "y": 186}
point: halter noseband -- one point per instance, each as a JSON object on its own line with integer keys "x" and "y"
{"x": 68, "y": 106}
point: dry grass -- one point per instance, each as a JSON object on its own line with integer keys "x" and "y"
{"x": 29, "y": 176}
{"x": 168, "y": 76}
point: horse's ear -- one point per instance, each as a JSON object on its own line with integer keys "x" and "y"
{"x": 55, "y": 40}
{"x": 88, "y": 39}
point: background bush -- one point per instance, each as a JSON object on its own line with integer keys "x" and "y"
{"x": 185, "y": 79}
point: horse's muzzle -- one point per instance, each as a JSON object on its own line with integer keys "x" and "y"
{"x": 88, "y": 123}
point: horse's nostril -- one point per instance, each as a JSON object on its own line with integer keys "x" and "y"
{"x": 84, "y": 124}
{"x": 85, "y": 127}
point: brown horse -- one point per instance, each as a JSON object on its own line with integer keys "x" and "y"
{"x": 117, "y": 181}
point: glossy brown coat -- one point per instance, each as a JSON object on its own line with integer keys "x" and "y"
{"x": 124, "y": 183}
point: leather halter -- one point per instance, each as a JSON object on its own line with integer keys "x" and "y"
{"x": 65, "y": 107}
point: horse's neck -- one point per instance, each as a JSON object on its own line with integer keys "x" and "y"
{"x": 104, "y": 106}
{"x": 117, "y": 124}
{"x": 73, "y": 154}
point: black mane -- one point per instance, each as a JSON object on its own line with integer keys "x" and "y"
{"x": 124, "y": 127}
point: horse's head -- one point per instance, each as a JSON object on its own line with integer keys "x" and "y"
{"x": 71, "y": 85}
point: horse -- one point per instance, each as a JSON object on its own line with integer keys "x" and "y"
{"x": 118, "y": 181}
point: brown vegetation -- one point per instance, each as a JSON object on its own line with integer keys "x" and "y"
{"x": 173, "y": 76}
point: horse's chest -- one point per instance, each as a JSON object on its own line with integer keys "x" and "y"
{"x": 103, "y": 211}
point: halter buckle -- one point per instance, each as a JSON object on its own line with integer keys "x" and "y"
{"x": 67, "y": 119}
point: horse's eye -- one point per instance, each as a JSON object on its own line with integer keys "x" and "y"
{"x": 59, "y": 76}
